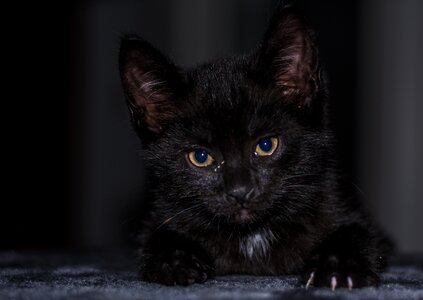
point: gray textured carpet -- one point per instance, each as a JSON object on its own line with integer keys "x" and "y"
{"x": 106, "y": 276}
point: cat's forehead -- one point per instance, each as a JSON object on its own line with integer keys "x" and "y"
{"x": 219, "y": 83}
{"x": 225, "y": 106}
{"x": 219, "y": 98}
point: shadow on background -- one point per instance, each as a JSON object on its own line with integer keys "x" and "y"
{"x": 370, "y": 50}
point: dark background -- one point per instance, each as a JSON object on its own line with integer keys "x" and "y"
{"x": 73, "y": 166}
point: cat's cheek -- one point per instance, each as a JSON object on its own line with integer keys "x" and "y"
{"x": 201, "y": 179}
{"x": 217, "y": 205}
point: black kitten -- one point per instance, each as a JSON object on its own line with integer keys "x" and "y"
{"x": 241, "y": 165}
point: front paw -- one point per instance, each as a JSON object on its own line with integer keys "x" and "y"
{"x": 334, "y": 272}
{"x": 177, "y": 268}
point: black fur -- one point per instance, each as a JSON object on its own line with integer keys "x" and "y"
{"x": 302, "y": 216}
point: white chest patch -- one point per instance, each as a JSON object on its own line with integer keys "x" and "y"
{"x": 256, "y": 244}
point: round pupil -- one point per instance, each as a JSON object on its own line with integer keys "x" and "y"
{"x": 265, "y": 144}
{"x": 201, "y": 156}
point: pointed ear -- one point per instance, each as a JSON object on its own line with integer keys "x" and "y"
{"x": 288, "y": 58}
{"x": 152, "y": 84}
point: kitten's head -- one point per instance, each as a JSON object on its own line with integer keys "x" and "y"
{"x": 237, "y": 141}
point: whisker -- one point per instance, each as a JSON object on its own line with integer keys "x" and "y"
{"x": 299, "y": 185}
{"x": 175, "y": 215}
{"x": 358, "y": 189}
{"x": 230, "y": 236}
{"x": 300, "y": 176}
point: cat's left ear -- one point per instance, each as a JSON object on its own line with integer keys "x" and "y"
{"x": 288, "y": 58}
{"x": 152, "y": 84}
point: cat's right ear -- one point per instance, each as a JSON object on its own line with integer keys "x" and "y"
{"x": 151, "y": 82}
{"x": 288, "y": 58}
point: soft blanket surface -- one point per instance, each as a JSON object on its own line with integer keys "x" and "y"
{"x": 113, "y": 276}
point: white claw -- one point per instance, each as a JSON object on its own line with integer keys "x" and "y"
{"x": 333, "y": 283}
{"x": 310, "y": 280}
{"x": 350, "y": 283}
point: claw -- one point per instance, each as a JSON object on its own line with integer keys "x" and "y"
{"x": 310, "y": 281}
{"x": 333, "y": 283}
{"x": 350, "y": 283}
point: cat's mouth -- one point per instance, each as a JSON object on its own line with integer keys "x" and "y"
{"x": 236, "y": 213}
{"x": 248, "y": 213}
{"x": 244, "y": 215}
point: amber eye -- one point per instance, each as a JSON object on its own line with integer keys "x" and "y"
{"x": 200, "y": 158}
{"x": 267, "y": 146}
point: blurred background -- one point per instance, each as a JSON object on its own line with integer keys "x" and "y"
{"x": 74, "y": 167}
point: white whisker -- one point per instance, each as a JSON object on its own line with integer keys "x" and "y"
{"x": 175, "y": 215}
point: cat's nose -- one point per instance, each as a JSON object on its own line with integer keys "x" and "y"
{"x": 241, "y": 193}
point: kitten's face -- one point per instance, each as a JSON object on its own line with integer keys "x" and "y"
{"x": 231, "y": 141}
